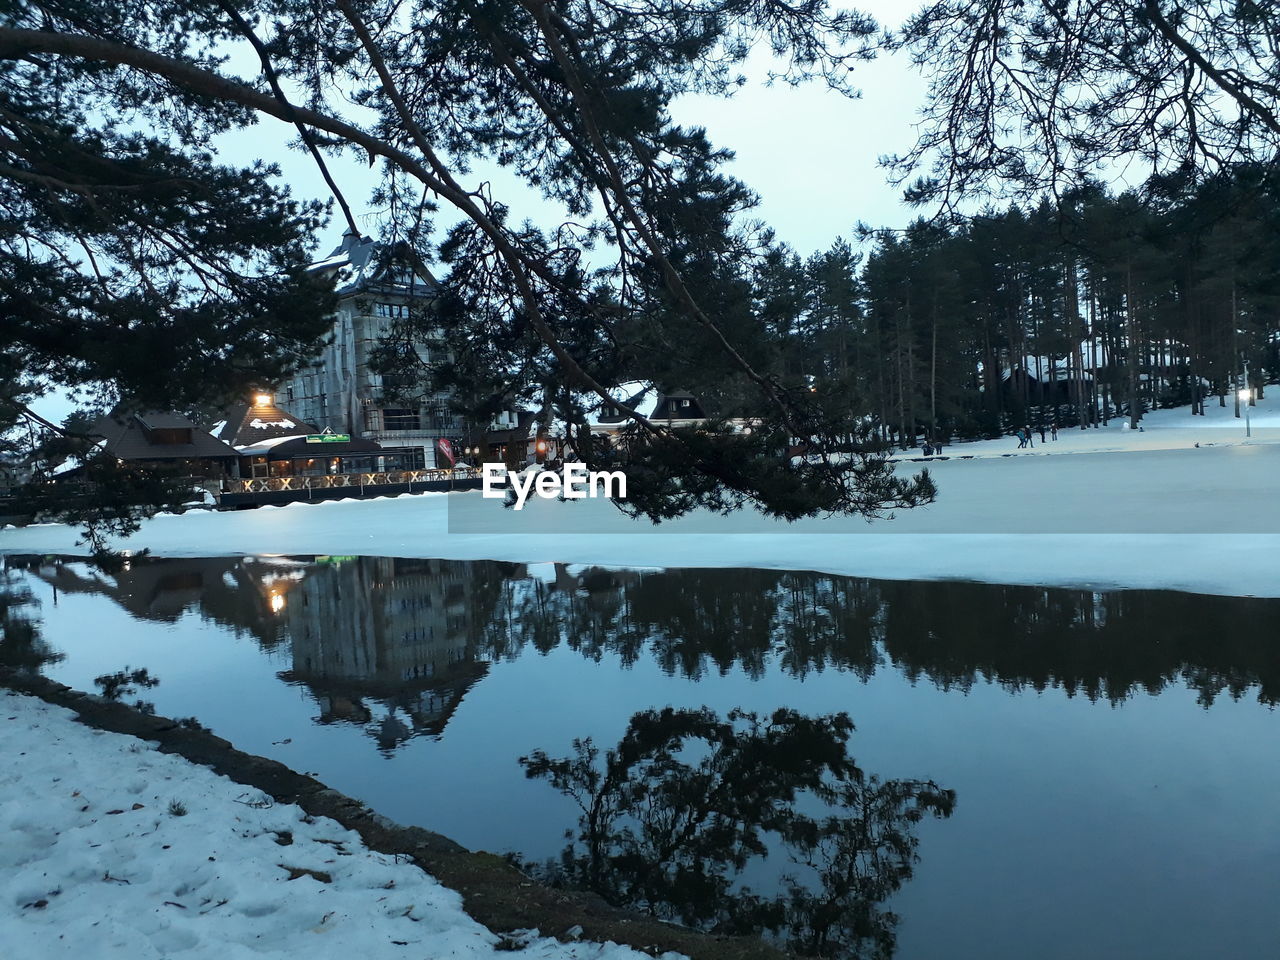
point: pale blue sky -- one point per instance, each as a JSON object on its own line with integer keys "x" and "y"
{"x": 809, "y": 153}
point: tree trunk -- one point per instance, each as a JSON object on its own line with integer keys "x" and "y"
{"x": 1132, "y": 347}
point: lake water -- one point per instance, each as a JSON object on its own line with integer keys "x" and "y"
{"x": 1031, "y": 772}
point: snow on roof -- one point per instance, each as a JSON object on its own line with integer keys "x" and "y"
{"x": 641, "y": 395}
{"x": 356, "y": 262}
{"x": 262, "y": 446}
{"x": 259, "y": 424}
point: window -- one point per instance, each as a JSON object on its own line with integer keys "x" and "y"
{"x": 394, "y": 382}
{"x": 372, "y": 419}
{"x": 289, "y": 393}
{"x": 394, "y": 418}
{"x": 169, "y": 435}
{"x": 442, "y": 417}
{"x": 393, "y": 311}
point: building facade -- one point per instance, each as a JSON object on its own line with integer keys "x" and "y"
{"x": 339, "y": 390}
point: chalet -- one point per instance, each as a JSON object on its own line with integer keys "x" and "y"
{"x": 677, "y": 408}
{"x": 169, "y": 441}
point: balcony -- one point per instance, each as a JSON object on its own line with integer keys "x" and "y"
{"x": 352, "y": 481}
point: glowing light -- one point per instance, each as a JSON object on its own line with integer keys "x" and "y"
{"x": 1245, "y": 394}
{"x": 277, "y": 602}
{"x": 262, "y": 399}
{"x": 542, "y": 446}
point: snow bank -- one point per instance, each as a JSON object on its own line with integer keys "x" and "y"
{"x": 97, "y": 864}
{"x": 1159, "y": 513}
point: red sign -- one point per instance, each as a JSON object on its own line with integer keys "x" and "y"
{"x": 446, "y": 449}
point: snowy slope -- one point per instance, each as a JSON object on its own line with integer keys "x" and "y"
{"x": 1174, "y": 429}
{"x": 96, "y": 865}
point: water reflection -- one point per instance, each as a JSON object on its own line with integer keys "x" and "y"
{"x": 1104, "y": 646}
{"x": 381, "y": 643}
{"x": 682, "y": 806}
{"x": 22, "y": 647}
{"x": 387, "y": 644}
{"x": 389, "y": 648}
{"x": 392, "y": 645}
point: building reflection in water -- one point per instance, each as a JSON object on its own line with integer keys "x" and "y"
{"x": 386, "y": 644}
{"x": 394, "y": 644}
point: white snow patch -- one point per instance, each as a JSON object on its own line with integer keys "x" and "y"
{"x": 96, "y": 864}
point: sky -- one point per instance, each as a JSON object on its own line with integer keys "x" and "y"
{"x": 811, "y": 154}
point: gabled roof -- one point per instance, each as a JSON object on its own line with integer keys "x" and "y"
{"x": 160, "y": 420}
{"x": 639, "y": 395}
{"x": 359, "y": 268}
{"x": 647, "y": 400}
{"x": 127, "y": 435}
{"x": 251, "y": 423}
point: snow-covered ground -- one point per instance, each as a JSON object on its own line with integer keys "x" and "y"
{"x": 1174, "y": 429}
{"x": 1150, "y": 510}
{"x": 96, "y": 863}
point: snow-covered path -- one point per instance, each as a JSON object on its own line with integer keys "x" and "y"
{"x": 96, "y": 863}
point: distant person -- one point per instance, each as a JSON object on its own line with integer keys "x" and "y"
{"x": 1022, "y": 438}
{"x": 1053, "y": 430}
{"x": 1042, "y": 433}
{"x": 1030, "y": 442}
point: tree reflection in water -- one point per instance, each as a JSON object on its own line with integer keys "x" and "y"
{"x": 674, "y": 814}
{"x": 22, "y": 647}
{"x": 393, "y": 645}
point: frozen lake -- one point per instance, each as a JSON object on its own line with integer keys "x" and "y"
{"x": 1112, "y": 754}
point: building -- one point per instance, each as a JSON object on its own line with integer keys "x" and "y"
{"x": 672, "y": 408}
{"x": 167, "y": 441}
{"x": 339, "y": 390}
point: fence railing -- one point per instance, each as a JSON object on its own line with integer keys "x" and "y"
{"x": 358, "y": 480}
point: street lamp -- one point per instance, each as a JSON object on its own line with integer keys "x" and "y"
{"x": 1246, "y": 394}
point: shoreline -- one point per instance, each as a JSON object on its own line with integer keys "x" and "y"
{"x": 493, "y": 892}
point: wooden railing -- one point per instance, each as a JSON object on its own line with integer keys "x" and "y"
{"x": 359, "y": 480}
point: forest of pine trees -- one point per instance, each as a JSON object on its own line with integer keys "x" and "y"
{"x": 1083, "y": 309}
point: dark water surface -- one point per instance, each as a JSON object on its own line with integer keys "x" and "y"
{"x": 1031, "y": 772}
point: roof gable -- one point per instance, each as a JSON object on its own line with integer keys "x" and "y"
{"x": 247, "y": 424}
